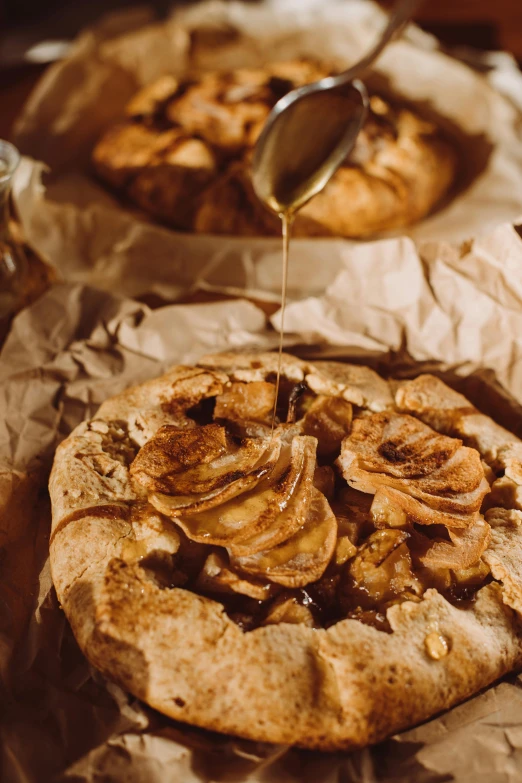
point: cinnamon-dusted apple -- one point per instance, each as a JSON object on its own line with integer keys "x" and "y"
{"x": 433, "y": 478}
{"x": 248, "y": 514}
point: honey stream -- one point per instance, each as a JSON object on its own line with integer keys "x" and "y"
{"x": 287, "y": 218}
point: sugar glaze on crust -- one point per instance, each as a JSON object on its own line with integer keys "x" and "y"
{"x": 343, "y": 686}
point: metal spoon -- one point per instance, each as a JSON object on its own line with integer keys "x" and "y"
{"x": 312, "y": 129}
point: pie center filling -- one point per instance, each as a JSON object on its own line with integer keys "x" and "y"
{"x": 339, "y": 513}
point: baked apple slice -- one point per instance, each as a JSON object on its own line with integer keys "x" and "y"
{"x": 302, "y": 558}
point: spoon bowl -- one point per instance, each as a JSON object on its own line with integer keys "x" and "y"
{"x": 309, "y": 134}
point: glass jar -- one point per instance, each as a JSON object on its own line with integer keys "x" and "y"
{"x": 13, "y": 263}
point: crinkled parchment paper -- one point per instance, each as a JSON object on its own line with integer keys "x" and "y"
{"x": 92, "y": 239}
{"x": 60, "y": 720}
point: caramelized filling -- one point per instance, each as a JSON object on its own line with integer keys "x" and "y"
{"x": 271, "y": 527}
{"x": 203, "y": 411}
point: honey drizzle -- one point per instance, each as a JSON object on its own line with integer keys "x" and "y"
{"x": 287, "y": 218}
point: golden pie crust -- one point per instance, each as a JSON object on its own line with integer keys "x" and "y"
{"x": 342, "y": 685}
{"x": 183, "y": 155}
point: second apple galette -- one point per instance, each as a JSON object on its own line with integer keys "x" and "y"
{"x": 183, "y": 151}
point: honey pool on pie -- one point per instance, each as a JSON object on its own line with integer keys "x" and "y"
{"x": 335, "y": 514}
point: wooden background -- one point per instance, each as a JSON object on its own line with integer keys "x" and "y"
{"x": 489, "y": 24}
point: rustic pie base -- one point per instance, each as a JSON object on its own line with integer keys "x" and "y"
{"x": 325, "y": 585}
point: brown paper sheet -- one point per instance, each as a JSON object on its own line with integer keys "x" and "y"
{"x": 61, "y": 720}
{"x": 457, "y": 304}
{"x": 93, "y": 239}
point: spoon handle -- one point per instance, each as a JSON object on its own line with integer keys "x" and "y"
{"x": 400, "y": 17}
